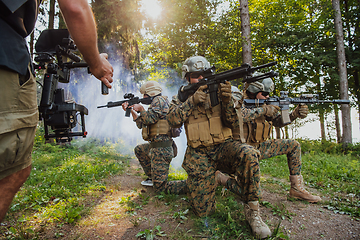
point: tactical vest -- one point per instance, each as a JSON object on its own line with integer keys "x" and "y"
{"x": 161, "y": 127}
{"x": 257, "y": 131}
{"x": 238, "y": 132}
{"x": 204, "y": 127}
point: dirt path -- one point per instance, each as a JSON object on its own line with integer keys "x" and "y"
{"x": 109, "y": 219}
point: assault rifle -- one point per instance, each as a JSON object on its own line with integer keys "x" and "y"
{"x": 213, "y": 80}
{"x": 284, "y": 101}
{"x": 131, "y": 99}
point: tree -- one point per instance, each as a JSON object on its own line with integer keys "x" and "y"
{"x": 118, "y": 24}
{"x": 345, "y": 109}
{"x": 245, "y": 32}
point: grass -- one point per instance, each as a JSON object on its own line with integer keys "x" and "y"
{"x": 65, "y": 180}
{"x": 62, "y": 181}
{"x": 335, "y": 174}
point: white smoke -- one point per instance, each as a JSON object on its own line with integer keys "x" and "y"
{"x": 110, "y": 124}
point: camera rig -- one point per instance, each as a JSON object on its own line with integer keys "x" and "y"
{"x": 53, "y": 48}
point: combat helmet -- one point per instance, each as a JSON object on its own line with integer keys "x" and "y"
{"x": 151, "y": 88}
{"x": 266, "y": 85}
{"x": 194, "y": 64}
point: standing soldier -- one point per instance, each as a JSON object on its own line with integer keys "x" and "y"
{"x": 155, "y": 156}
{"x": 257, "y": 126}
{"x": 210, "y": 148}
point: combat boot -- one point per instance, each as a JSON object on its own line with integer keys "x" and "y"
{"x": 298, "y": 191}
{"x": 252, "y": 215}
{"x": 220, "y": 178}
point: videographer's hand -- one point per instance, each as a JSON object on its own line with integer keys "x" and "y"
{"x": 103, "y": 71}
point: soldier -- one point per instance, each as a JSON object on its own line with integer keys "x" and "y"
{"x": 210, "y": 148}
{"x": 155, "y": 156}
{"x": 257, "y": 127}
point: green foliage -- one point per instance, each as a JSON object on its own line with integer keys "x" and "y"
{"x": 179, "y": 174}
{"x": 150, "y": 234}
{"x": 61, "y": 178}
{"x": 279, "y": 210}
{"x": 327, "y": 168}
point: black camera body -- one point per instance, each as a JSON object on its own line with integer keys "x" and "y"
{"x": 52, "y": 47}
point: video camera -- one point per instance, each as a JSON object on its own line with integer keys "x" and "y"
{"x": 54, "y": 50}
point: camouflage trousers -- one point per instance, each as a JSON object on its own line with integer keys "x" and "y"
{"x": 276, "y": 147}
{"x": 231, "y": 157}
{"x": 155, "y": 163}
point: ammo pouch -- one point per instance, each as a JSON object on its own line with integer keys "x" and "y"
{"x": 238, "y": 131}
{"x": 161, "y": 127}
{"x": 145, "y": 132}
{"x": 206, "y": 129}
{"x": 257, "y": 131}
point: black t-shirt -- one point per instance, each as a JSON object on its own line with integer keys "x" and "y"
{"x": 17, "y": 21}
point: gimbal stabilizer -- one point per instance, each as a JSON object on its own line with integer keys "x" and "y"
{"x": 52, "y": 47}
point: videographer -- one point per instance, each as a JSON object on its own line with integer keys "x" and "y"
{"x": 18, "y": 104}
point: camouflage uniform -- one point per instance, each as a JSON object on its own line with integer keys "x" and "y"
{"x": 200, "y": 163}
{"x": 156, "y": 161}
{"x": 274, "y": 147}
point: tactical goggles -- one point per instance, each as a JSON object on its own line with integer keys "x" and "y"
{"x": 265, "y": 94}
{"x": 196, "y": 74}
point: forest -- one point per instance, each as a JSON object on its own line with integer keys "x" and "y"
{"x": 299, "y": 35}
{"x": 90, "y": 188}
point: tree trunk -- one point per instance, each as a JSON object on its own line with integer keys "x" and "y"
{"x": 322, "y": 125}
{"x": 31, "y": 44}
{"x": 337, "y": 123}
{"x": 278, "y": 133}
{"x": 51, "y": 14}
{"x": 340, "y": 49}
{"x": 245, "y": 32}
{"x": 286, "y": 132}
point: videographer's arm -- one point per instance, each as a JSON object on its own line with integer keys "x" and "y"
{"x": 81, "y": 25}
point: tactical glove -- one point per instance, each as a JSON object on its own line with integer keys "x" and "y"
{"x": 301, "y": 111}
{"x": 270, "y": 110}
{"x": 225, "y": 91}
{"x": 200, "y": 96}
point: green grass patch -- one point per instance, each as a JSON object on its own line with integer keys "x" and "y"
{"x": 62, "y": 180}
{"x": 334, "y": 174}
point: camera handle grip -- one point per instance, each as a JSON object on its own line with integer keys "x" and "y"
{"x": 104, "y": 89}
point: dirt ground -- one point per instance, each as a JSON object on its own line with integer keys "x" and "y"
{"x": 109, "y": 220}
